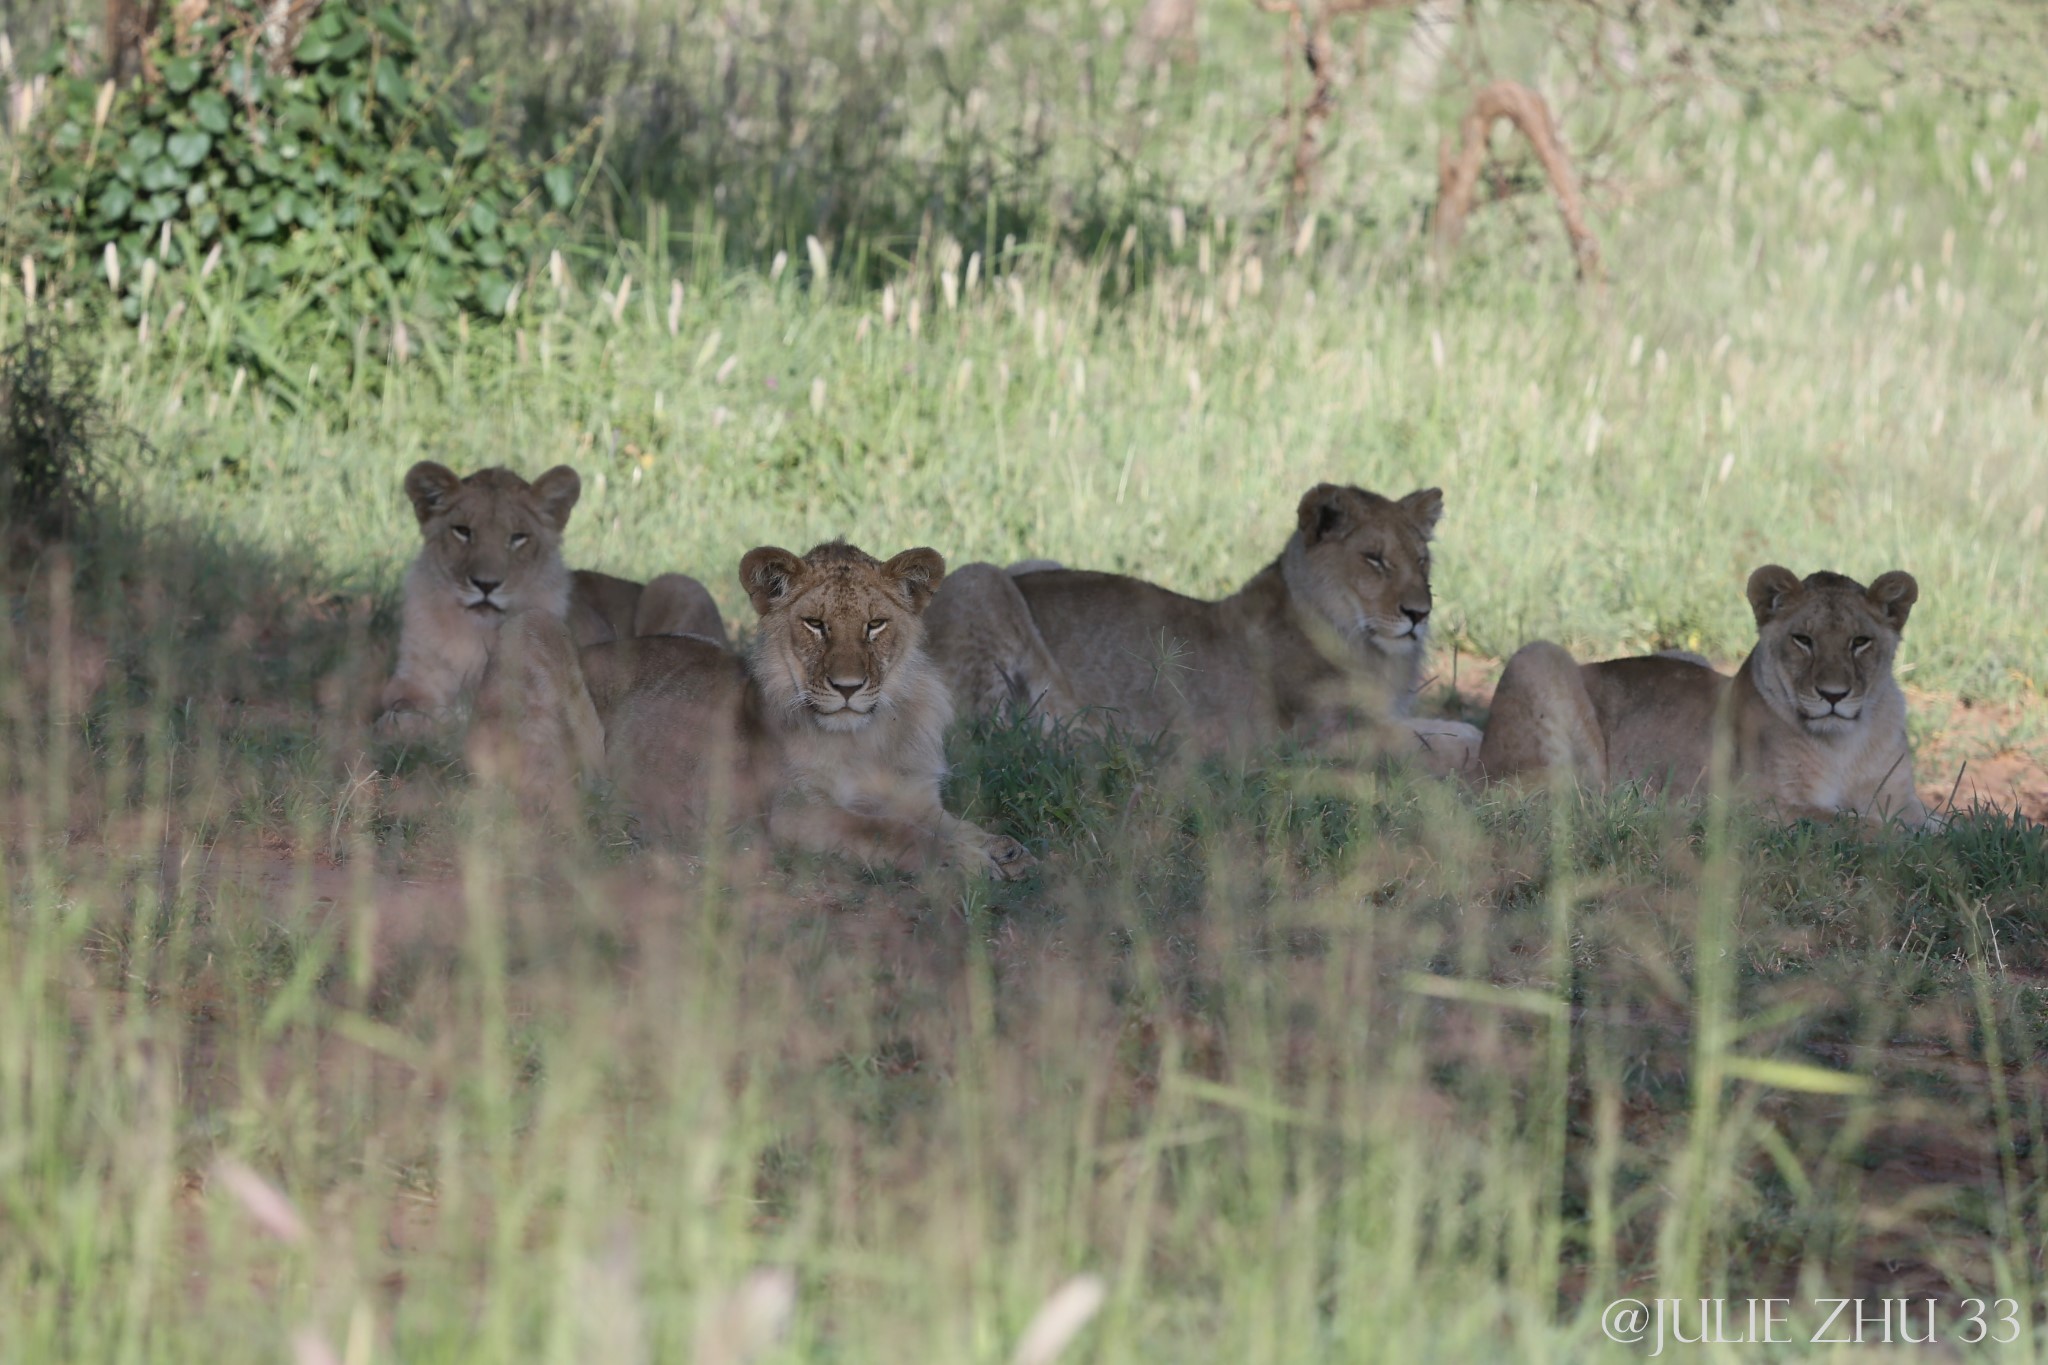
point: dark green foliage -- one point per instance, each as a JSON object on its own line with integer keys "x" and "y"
{"x": 51, "y": 426}
{"x": 1017, "y": 773}
{"x": 341, "y": 180}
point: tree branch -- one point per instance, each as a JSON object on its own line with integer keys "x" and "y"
{"x": 1458, "y": 178}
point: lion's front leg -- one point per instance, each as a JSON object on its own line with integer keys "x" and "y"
{"x": 1437, "y": 746}
{"x": 959, "y": 842}
{"x": 419, "y": 703}
{"x": 1441, "y": 748}
{"x": 909, "y": 837}
{"x": 974, "y": 848}
{"x": 1898, "y": 799}
{"x": 812, "y": 826}
{"x": 536, "y": 728}
{"x": 439, "y": 663}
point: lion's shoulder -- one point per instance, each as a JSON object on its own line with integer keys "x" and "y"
{"x": 1091, "y": 616}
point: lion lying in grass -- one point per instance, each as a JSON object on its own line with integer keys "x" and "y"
{"x": 1325, "y": 641}
{"x": 831, "y": 734}
{"x": 1817, "y": 724}
{"x": 492, "y": 547}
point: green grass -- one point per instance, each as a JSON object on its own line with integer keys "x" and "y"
{"x": 1306, "y": 1062}
{"x": 1868, "y": 378}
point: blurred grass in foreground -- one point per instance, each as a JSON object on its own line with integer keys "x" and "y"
{"x": 1306, "y": 1063}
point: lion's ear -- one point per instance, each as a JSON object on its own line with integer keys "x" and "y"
{"x": 1894, "y": 594}
{"x": 1322, "y": 513}
{"x": 919, "y": 571}
{"x": 1425, "y": 506}
{"x": 769, "y": 574}
{"x": 1770, "y": 588}
{"x": 557, "y": 492}
{"x": 429, "y": 486}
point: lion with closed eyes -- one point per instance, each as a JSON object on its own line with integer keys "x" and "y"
{"x": 1324, "y": 642}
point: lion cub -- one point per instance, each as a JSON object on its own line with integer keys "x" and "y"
{"x": 831, "y": 733}
{"x": 1328, "y": 635}
{"x": 1817, "y": 722}
{"x": 493, "y": 547}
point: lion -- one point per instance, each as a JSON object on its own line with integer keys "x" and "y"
{"x": 533, "y": 731}
{"x": 493, "y": 547}
{"x": 1327, "y": 638}
{"x": 1816, "y": 721}
{"x": 831, "y": 733}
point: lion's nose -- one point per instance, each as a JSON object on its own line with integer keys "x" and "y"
{"x": 1415, "y": 615}
{"x": 486, "y": 586}
{"x": 849, "y": 690}
{"x": 1832, "y": 695}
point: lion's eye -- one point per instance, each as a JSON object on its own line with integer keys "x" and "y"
{"x": 815, "y": 626}
{"x": 1378, "y": 561}
{"x": 461, "y": 533}
{"x": 876, "y": 627}
{"x": 1860, "y": 643}
{"x": 1803, "y": 642}
{"x": 519, "y": 538}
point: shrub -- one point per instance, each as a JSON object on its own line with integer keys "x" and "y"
{"x": 51, "y": 426}
{"x": 328, "y": 169}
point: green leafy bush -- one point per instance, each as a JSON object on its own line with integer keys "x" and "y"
{"x": 52, "y": 430}
{"x": 328, "y": 170}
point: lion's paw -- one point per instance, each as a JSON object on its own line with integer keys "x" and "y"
{"x": 1444, "y": 748}
{"x": 404, "y": 723}
{"x": 1007, "y": 859}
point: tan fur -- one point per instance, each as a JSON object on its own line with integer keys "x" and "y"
{"x": 832, "y": 734}
{"x": 535, "y": 732}
{"x": 494, "y": 528}
{"x": 1816, "y": 722}
{"x": 1324, "y": 641}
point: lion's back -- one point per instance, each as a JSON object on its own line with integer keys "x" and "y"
{"x": 1657, "y": 713}
{"x": 1122, "y": 639}
{"x": 601, "y": 607}
{"x": 656, "y": 672}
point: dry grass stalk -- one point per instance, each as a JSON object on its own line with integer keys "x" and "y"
{"x": 261, "y": 1200}
{"x": 310, "y": 1348}
{"x": 1060, "y": 1319}
{"x": 1458, "y": 177}
{"x": 749, "y": 1320}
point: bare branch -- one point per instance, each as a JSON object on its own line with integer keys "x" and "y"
{"x": 1338, "y": 8}
{"x": 1458, "y": 178}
